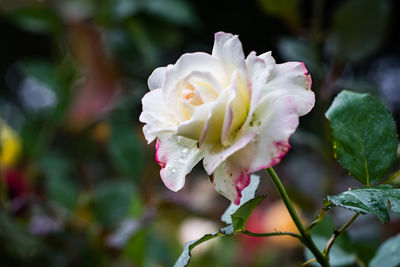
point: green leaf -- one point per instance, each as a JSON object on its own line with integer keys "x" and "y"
{"x": 359, "y": 27}
{"x": 239, "y": 218}
{"x": 247, "y": 194}
{"x": 364, "y": 135}
{"x": 341, "y": 253}
{"x": 184, "y": 258}
{"x": 365, "y": 200}
{"x": 388, "y": 254}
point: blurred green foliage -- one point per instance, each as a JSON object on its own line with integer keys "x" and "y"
{"x": 85, "y": 189}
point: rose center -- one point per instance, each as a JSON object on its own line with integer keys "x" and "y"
{"x": 190, "y": 94}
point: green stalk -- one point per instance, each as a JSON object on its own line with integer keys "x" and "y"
{"x": 337, "y": 233}
{"x": 304, "y": 235}
{"x": 246, "y": 232}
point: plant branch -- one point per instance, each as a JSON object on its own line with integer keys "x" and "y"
{"x": 309, "y": 261}
{"x": 246, "y": 232}
{"x": 305, "y": 236}
{"x": 336, "y": 234}
{"x": 317, "y": 220}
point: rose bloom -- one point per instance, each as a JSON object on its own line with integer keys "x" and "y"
{"x": 235, "y": 113}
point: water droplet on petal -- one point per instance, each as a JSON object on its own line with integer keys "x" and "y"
{"x": 185, "y": 150}
{"x": 181, "y": 160}
{"x": 173, "y": 170}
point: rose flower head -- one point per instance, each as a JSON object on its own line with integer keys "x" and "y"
{"x": 234, "y": 113}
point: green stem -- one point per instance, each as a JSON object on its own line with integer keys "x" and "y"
{"x": 305, "y": 236}
{"x": 336, "y": 234}
{"x": 317, "y": 220}
{"x": 246, "y": 232}
{"x": 309, "y": 261}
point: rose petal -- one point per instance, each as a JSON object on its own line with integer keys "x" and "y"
{"x": 212, "y": 129}
{"x": 203, "y": 88}
{"x": 185, "y": 65}
{"x": 193, "y": 128}
{"x": 177, "y": 156}
{"x": 268, "y": 60}
{"x": 216, "y": 156}
{"x": 149, "y": 135}
{"x": 274, "y": 120}
{"x": 223, "y": 182}
{"x": 229, "y": 50}
{"x": 293, "y": 77}
{"x": 205, "y": 84}
{"x": 230, "y": 180}
{"x": 258, "y": 73}
{"x": 156, "y": 78}
{"x": 236, "y": 110}
{"x": 156, "y": 115}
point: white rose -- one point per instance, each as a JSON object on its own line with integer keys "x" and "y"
{"x": 236, "y": 114}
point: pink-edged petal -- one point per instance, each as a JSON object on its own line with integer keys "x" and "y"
{"x": 228, "y": 48}
{"x": 230, "y": 179}
{"x": 156, "y": 78}
{"x": 217, "y": 155}
{"x": 156, "y": 115}
{"x": 223, "y": 182}
{"x": 248, "y": 194}
{"x": 175, "y": 75}
{"x": 274, "y": 120}
{"x": 294, "y": 78}
{"x": 176, "y": 156}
